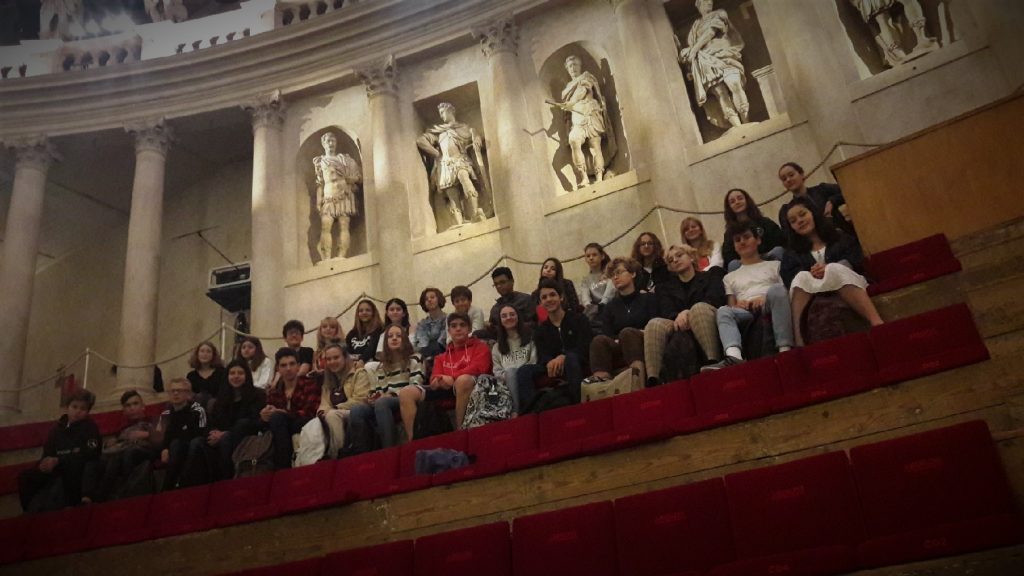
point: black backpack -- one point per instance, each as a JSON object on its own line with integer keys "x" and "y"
{"x": 682, "y": 358}
{"x": 254, "y": 455}
{"x": 549, "y": 399}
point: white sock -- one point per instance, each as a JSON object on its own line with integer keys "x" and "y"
{"x": 735, "y": 352}
{"x": 785, "y": 348}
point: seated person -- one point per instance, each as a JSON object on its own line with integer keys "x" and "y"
{"x": 755, "y": 286}
{"x": 292, "y": 402}
{"x": 623, "y": 321}
{"x": 648, "y": 251}
{"x": 207, "y": 375}
{"x": 504, "y": 283}
{"x": 709, "y": 254}
{"x": 251, "y": 350}
{"x": 822, "y": 259}
{"x": 293, "y": 333}
{"x": 462, "y": 300}
{"x": 827, "y": 199}
{"x": 596, "y": 288}
{"x": 364, "y": 336}
{"x": 343, "y": 398}
{"x": 740, "y": 207}
{"x": 513, "y": 349}
{"x": 563, "y": 347}
{"x": 235, "y": 415}
{"x": 133, "y": 446}
{"x": 687, "y": 303}
{"x": 66, "y": 474}
{"x": 329, "y": 332}
{"x": 183, "y": 427}
{"x": 430, "y": 331}
{"x": 398, "y": 369}
{"x": 552, "y": 268}
{"x": 395, "y": 312}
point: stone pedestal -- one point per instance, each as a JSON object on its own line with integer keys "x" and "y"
{"x": 267, "y": 308}
{"x": 18, "y": 264}
{"x": 142, "y": 260}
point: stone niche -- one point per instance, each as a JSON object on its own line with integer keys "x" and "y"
{"x": 939, "y": 30}
{"x": 310, "y": 149}
{"x": 466, "y": 99}
{"x": 760, "y": 85}
{"x": 554, "y": 77}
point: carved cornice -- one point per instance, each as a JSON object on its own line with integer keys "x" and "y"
{"x": 501, "y": 35}
{"x": 33, "y": 152}
{"x": 151, "y": 135}
{"x": 380, "y": 77}
{"x": 267, "y": 110}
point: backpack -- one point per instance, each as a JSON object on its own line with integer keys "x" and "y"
{"x": 439, "y": 460}
{"x": 628, "y": 380}
{"x": 759, "y": 337}
{"x": 827, "y": 317}
{"x": 549, "y": 399}
{"x": 682, "y": 358}
{"x": 431, "y": 420}
{"x": 490, "y": 401}
{"x": 254, "y": 455}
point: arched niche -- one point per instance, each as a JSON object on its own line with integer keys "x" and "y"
{"x": 310, "y": 149}
{"x": 554, "y": 77}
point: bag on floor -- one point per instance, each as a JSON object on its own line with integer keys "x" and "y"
{"x": 439, "y": 460}
{"x": 682, "y": 358}
{"x": 550, "y": 399}
{"x": 312, "y": 443}
{"x": 140, "y": 481}
{"x": 490, "y": 401}
{"x": 431, "y": 420}
{"x": 629, "y": 380}
{"x": 254, "y": 455}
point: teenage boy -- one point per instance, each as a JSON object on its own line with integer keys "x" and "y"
{"x": 755, "y": 286}
{"x": 563, "y": 345}
{"x": 183, "y": 426}
{"x": 457, "y": 367}
{"x": 66, "y": 475}
{"x": 294, "y": 331}
{"x": 291, "y": 403}
{"x": 462, "y": 300}
{"x": 134, "y": 445}
{"x": 505, "y": 285}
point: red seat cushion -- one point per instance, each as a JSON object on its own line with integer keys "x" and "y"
{"x": 826, "y": 370}
{"x": 9, "y": 476}
{"x": 472, "y": 551}
{"x": 299, "y": 489}
{"x": 645, "y": 416}
{"x": 680, "y": 530}
{"x": 453, "y": 440}
{"x": 492, "y": 445}
{"x": 561, "y": 432}
{"x": 57, "y": 533}
{"x": 737, "y": 393}
{"x": 13, "y": 533}
{"x": 937, "y": 493}
{"x": 910, "y": 263}
{"x": 927, "y": 343}
{"x": 307, "y": 567}
{"x": 391, "y": 559}
{"x": 578, "y": 540}
{"x": 240, "y": 500}
{"x": 119, "y": 522}
{"x": 794, "y": 518}
{"x": 24, "y": 435}
{"x": 108, "y": 422}
{"x": 374, "y": 475}
{"x": 179, "y": 511}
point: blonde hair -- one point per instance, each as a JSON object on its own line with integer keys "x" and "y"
{"x": 703, "y": 246}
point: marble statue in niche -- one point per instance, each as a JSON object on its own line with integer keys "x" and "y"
{"x": 56, "y": 18}
{"x": 337, "y": 175}
{"x": 880, "y": 12}
{"x": 161, "y": 10}
{"x": 455, "y": 163}
{"x": 586, "y": 121}
{"x": 714, "y": 59}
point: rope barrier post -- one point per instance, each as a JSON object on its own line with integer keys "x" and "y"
{"x": 85, "y": 376}
{"x": 223, "y": 338}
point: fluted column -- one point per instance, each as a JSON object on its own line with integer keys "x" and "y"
{"x": 518, "y": 198}
{"x": 18, "y": 264}
{"x": 267, "y": 307}
{"x": 142, "y": 259}
{"x": 391, "y": 226}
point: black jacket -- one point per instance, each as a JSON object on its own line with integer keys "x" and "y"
{"x": 184, "y": 424}
{"x": 845, "y": 248}
{"x": 821, "y": 195}
{"x": 633, "y": 311}
{"x": 73, "y": 445}
{"x": 648, "y": 280}
{"x": 574, "y": 336}
{"x": 674, "y": 296}
{"x": 226, "y": 414}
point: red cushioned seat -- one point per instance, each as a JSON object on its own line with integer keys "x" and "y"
{"x": 374, "y": 475}
{"x": 24, "y": 435}
{"x": 826, "y": 370}
{"x": 645, "y": 416}
{"x": 13, "y": 532}
{"x": 391, "y": 559}
{"x": 407, "y": 460}
{"x": 119, "y": 522}
{"x": 240, "y": 500}
{"x": 677, "y": 531}
{"x": 927, "y": 343}
{"x": 57, "y": 533}
{"x": 737, "y": 393}
{"x": 911, "y": 263}
{"x": 297, "y": 568}
{"x": 578, "y": 540}
{"x": 473, "y": 551}
{"x": 9, "y": 476}
{"x": 108, "y": 422}
{"x": 179, "y": 512}
{"x": 797, "y": 518}
{"x": 937, "y": 493}
{"x": 561, "y": 432}
{"x": 300, "y": 489}
{"x": 492, "y": 445}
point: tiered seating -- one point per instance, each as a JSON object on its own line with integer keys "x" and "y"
{"x": 562, "y": 432}
{"x": 483, "y": 549}
{"x": 391, "y": 559}
{"x": 911, "y": 263}
{"x": 578, "y": 540}
{"x": 747, "y": 391}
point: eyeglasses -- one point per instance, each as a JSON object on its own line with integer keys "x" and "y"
{"x": 619, "y": 272}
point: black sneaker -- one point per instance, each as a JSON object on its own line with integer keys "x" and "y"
{"x": 728, "y": 361}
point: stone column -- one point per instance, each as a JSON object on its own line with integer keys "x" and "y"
{"x": 267, "y": 306}
{"x": 142, "y": 260}
{"x": 391, "y": 225}
{"x": 518, "y": 198}
{"x": 18, "y": 263}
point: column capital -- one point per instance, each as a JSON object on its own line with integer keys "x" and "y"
{"x": 499, "y": 35}
{"x": 267, "y": 110}
{"x": 151, "y": 134}
{"x": 380, "y": 77}
{"x": 33, "y": 151}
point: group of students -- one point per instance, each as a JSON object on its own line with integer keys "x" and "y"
{"x": 659, "y": 313}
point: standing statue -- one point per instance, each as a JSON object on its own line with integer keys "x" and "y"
{"x": 587, "y": 122}
{"x": 160, "y": 10}
{"x": 715, "y": 60}
{"x": 455, "y": 163}
{"x": 56, "y": 17}
{"x": 880, "y": 11}
{"x": 336, "y": 176}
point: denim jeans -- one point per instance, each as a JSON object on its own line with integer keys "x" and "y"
{"x": 731, "y": 319}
